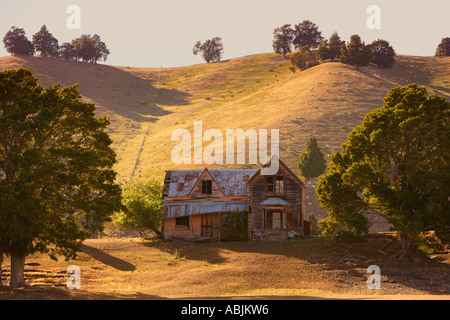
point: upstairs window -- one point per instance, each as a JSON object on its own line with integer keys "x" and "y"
{"x": 279, "y": 187}
{"x": 207, "y": 187}
{"x": 269, "y": 185}
{"x": 275, "y": 184}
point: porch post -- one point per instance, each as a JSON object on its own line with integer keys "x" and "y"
{"x": 219, "y": 225}
{"x": 192, "y": 228}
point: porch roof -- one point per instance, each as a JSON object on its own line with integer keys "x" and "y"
{"x": 178, "y": 210}
{"x": 275, "y": 202}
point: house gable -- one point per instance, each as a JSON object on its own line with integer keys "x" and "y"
{"x": 282, "y": 168}
{"x": 197, "y": 190}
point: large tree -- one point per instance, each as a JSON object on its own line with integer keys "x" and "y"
{"x": 45, "y": 43}
{"x": 382, "y": 53}
{"x": 282, "y": 39}
{"x": 396, "y": 164}
{"x": 90, "y": 48}
{"x": 211, "y": 49}
{"x": 67, "y": 51}
{"x": 356, "y": 52}
{"x": 56, "y": 178}
{"x": 443, "y": 49}
{"x": 17, "y": 43}
{"x": 330, "y": 49}
{"x": 307, "y": 34}
{"x": 312, "y": 162}
{"x": 142, "y": 208}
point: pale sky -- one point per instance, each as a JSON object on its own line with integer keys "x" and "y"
{"x": 147, "y": 33}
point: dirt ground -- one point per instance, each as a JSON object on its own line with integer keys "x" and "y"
{"x": 301, "y": 269}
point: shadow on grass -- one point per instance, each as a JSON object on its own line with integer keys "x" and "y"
{"x": 202, "y": 252}
{"x": 59, "y": 293}
{"x": 341, "y": 259}
{"x": 108, "y": 259}
{"x": 119, "y": 91}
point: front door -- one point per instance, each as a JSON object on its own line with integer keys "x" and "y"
{"x": 207, "y": 225}
{"x": 275, "y": 219}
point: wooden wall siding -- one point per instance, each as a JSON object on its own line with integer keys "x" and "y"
{"x": 195, "y": 228}
{"x": 293, "y": 193}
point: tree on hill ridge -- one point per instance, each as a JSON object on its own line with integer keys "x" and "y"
{"x": 90, "y": 48}
{"x": 307, "y": 34}
{"x": 282, "y": 39}
{"x": 17, "y": 43}
{"x": 330, "y": 49}
{"x": 211, "y": 49}
{"x": 45, "y": 43}
{"x": 443, "y": 49}
{"x": 383, "y": 55}
{"x": 356, "y": 52}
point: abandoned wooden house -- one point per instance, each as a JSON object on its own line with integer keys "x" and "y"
{"x": 195, "y": 202}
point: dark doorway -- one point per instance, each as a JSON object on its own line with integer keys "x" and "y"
{"x": 207, "y": 225}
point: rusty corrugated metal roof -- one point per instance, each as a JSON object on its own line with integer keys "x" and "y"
{"x": 232, "y": 182}
{"x": 182, "y": 182}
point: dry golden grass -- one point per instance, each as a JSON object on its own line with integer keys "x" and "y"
{"x": 146, "y": 105}
{"x": 314, "y": 268}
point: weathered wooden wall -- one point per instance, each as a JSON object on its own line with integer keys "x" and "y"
{"x": 293, "y": 193}
{"x": 195, "y": 228}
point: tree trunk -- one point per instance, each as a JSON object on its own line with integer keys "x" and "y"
{"x": 408, "y": 251}
{"x": 17, "y": 279}
{"x": 1, "y": 270}
{"x": 158, "y": 233}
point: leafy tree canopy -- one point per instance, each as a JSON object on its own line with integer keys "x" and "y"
{"x": 211, "y": 50}
{"x": 56, "y": 178}
{"x": 17, "y": 43}
{"x": 394, "y": 164}
{"x": 45, "y": 43}
{"x": 282, "y": 39}
{"x": 330, "y": 49}
{"x": 356, "y": 52}
{"x": 443, "y": 49}
{"x": 312, "y": 162}
{"x": 142, "y": 207}
{"x": 307, "y": 34}
{"x": 383, "y": 55}
{"x": 90, "y": 48}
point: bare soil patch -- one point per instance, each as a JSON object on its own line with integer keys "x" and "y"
{"x": 313, "y": 268}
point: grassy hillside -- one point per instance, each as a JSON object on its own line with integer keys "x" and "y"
{"x": 146, "y": 105}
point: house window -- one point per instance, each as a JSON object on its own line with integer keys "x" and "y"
{"x": 279, "y": 184}
{"x": 207, "y": 186}
{"x": 269, "y": 184}
{"x": 275, "y": 184}
{"x": 182, "y": 223}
